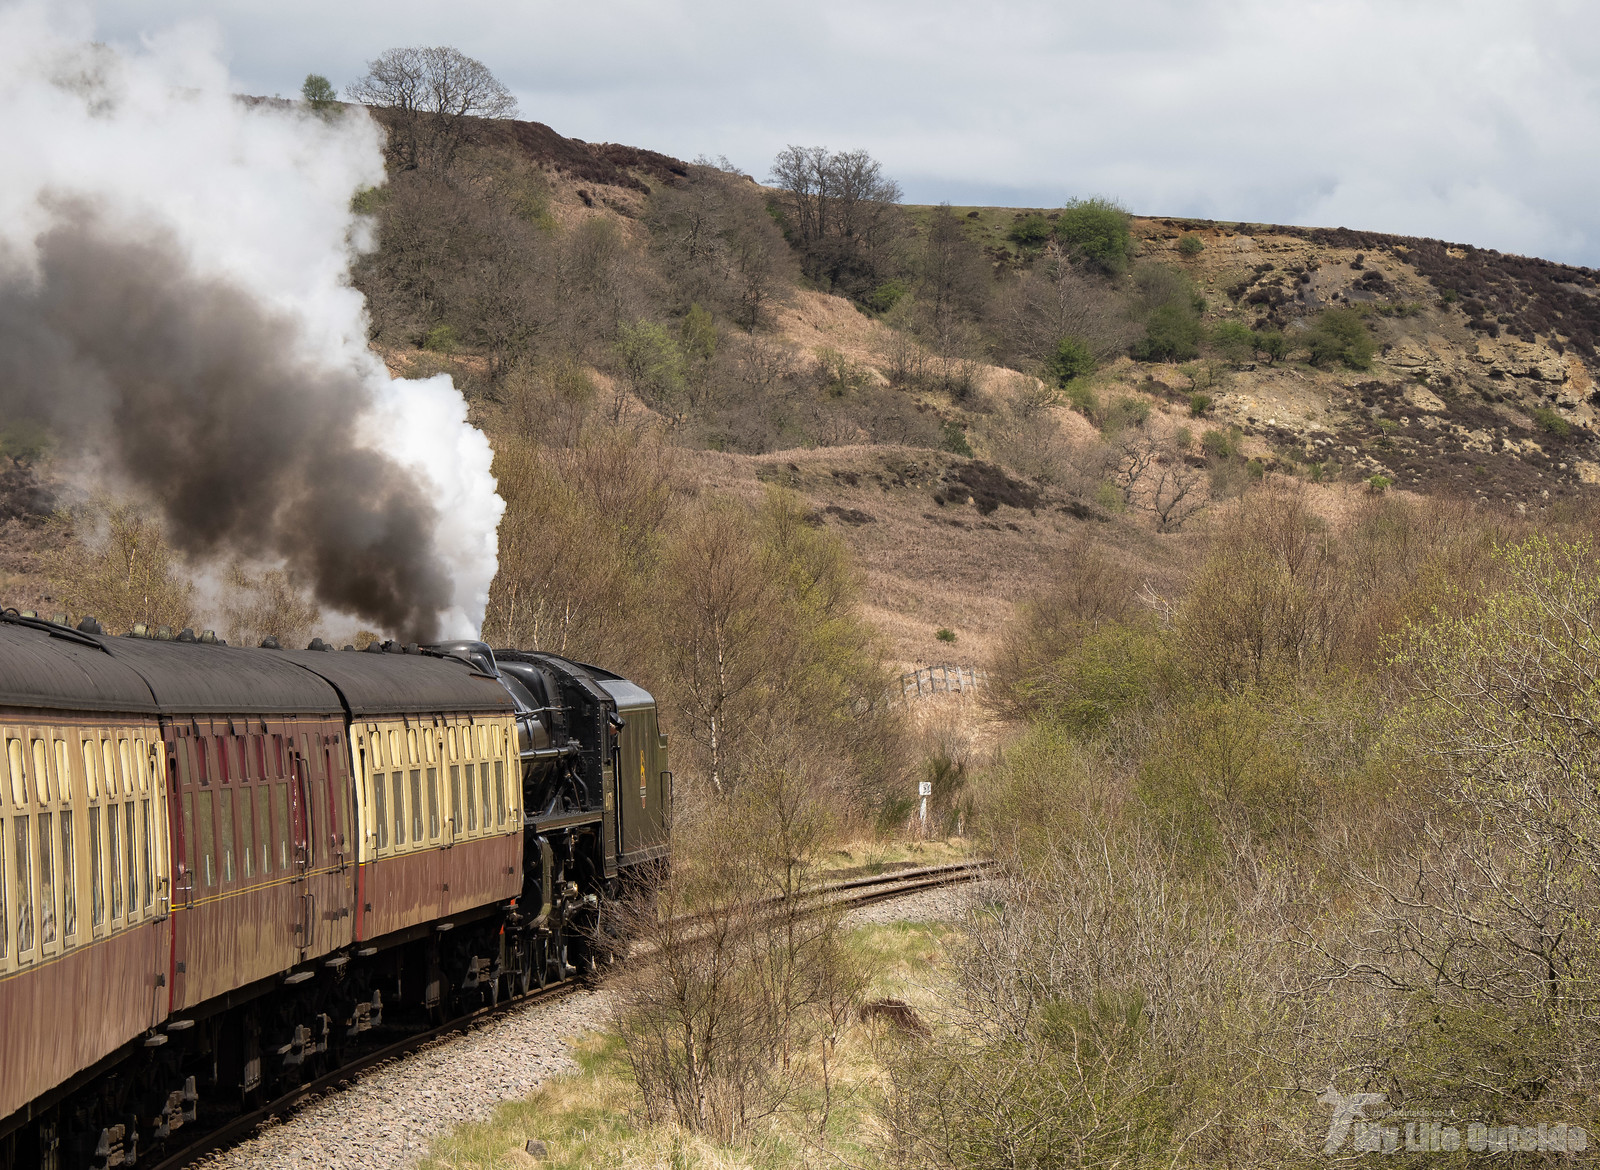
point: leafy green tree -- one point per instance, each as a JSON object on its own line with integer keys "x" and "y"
{"x": 1234, "y": 341}
{"x": 1271, "y": 344}
{"x": 1096, "y": 232}
{"x": 1341, "y": 335}
{"x": 1171, "y": 334}
{"x": 1070, "y": 359}
{"x": 319, "y": 92}
{"x": 651, "y": 361}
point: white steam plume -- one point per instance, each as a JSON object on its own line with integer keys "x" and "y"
{"x": 174, "y": 291}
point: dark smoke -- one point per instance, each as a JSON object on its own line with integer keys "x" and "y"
{"x": 194, "y": 392}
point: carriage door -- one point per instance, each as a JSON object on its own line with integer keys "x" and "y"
{"x": 301, "y": 906}
{"x": 180, "y": 812}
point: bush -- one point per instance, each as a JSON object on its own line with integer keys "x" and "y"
{"x": 1341, "y": 335}
{"x": 953, "y": 438}
{"x": 1551, "y": 423}
{"x": 887, "y": 295}
{"x": 1096, "y": 231}
{"x": 1378, "y": 484}
{"x": 1234, "y": 341}
{"x": 1126, "y": 411}
{"x": 1271, "y": 344}
{"x": 945, "y": 634}
{"x": 1070, "y": 359}
{"x": 1199, "y": 404}
{"x": 1191, "y": 246}
{"x": 1219, "y": 444}
{"x": 1030, "y": 231}
{"x": 1082, "y": 398}
{"x": 441, "y": 339}
{"x": 1172, "y": 334}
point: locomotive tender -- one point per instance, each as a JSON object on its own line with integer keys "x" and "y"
{"x": 220, "y": 867}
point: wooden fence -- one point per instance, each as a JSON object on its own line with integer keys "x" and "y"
{"x": 944, "y": 679}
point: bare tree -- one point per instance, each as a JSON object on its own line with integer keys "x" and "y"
{"x": 431, "y": 93}
{"x": 840, "y": 209}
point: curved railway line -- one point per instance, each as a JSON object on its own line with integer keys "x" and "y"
{"x": 845, "y": 895}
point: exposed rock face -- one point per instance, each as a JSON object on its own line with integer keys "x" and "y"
{"x": 1484, "y": 379}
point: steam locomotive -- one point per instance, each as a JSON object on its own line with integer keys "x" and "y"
{"x": 224, "y": 869}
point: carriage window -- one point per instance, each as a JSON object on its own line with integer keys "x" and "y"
{"x": 431, "y": 746}
{"x": 310, "y": 812}
{"x": 47, "y": 877}
{"x": 143, "y": 764}
{"x": 63, "y": 769}
{"x": 19, "y": 782}
{"x": 131, "y": 857}
{"x": 90, "y": 780}
{"x": 41, "y": 770}
{"x": 97, "y": 881}
{"x": 411, "y": 745}
{"x": 247, "y": 832}
{"x": 69, "y": 877}
{"x": 416, "y": 804}
{"x": 114, "y": 855}
{"x": 258, "y": 743}
{"x": 433, "y": 803}
{"x": 208, "y": 839}
{"x": 399, "y": 809}
{"x": 466, "y": 743}
{"x": 280, "y": 823}
{"x": 500, "y": 791}
{"x": 149, "y": 853}
{"x": 126, "y": 757}
{"x": 264, "y": 826}
{"x": 5, "y": 926}
{"x": 380, "y": 805}
{"x": 24, "y": 885}
{"x": 455, "y": 798}
{"x": 277, "y": 753}
{"x": 108, "y": 767}
{"x": 472, "y": 802}
{"x": 451, "y": 744}
{"x": 225, "y": 756}
{"x": 483, "y": 779}
{"x": 225, "y": 832}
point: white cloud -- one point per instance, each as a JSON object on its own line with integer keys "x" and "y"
{"x": 1467, "y": 119}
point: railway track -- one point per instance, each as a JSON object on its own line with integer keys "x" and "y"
{"x": 846, "y": 895}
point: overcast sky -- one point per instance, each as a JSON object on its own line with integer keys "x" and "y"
{"x": 1470, "y": 120}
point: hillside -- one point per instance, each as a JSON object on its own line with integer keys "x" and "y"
{"x": 914, "y": 410}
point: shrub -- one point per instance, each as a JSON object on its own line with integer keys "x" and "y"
{"x": 887, "y": 295}
{"x": 953, "y": 438}
{"x": 1070, "y": 359}
{"x": 1341, "y": 335}
{"x": 1551, "y": 422}
{"x": 1172, "y": 333}
{"x": 1271, "y": 344}
{"x": 1378, "y": 484}
{"x": 1234, "y": 341}
{"x": 1096, "y": 231}
{"x": 1218, "y": 444}
{"x": 1199, "y": 404}
{"x": 1191, "y": 246}
{"x": 1082, "y": 398}
{"x": 944, "y": 634}
{"x": 440, "y": 339}
{"x": 1183, "y": 437}
{"x": 1030, "y": 231}
{"x": 1126, "y": 411}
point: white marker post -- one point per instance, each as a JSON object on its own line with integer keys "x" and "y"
{"x": 925, "y": 790}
